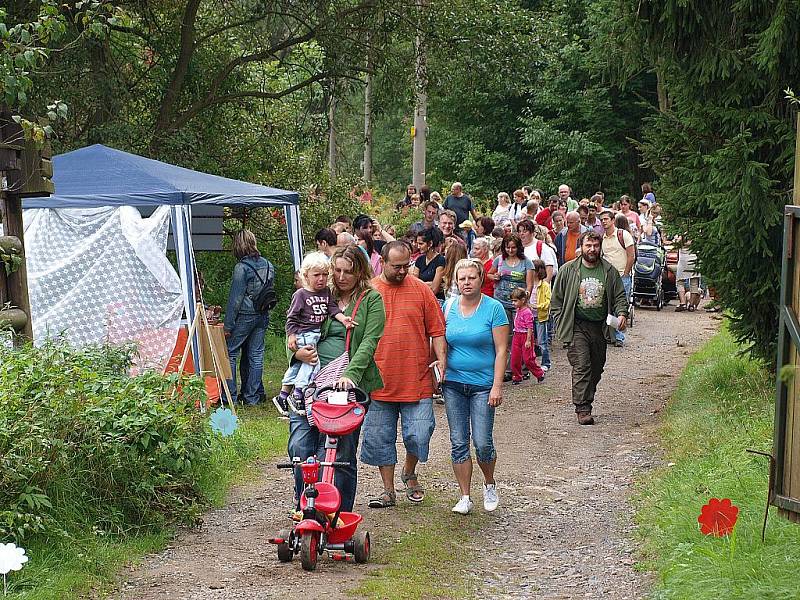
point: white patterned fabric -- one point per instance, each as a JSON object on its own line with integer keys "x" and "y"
{"x": 101, "y": 275}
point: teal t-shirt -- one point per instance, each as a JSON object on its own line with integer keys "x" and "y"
{"x": 510, "y": 278}
{"x": 470, "y": 345}
{"x": 592, "y": 304}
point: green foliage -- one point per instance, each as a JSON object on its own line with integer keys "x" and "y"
{"x": 95, "y": 466}
{"x": 80, "y": 442}
{"x": 11, "y": 260}
{"x": 576, "y": 124}
{"x": 723, "y": 145}
{"x": 723, "y": 405}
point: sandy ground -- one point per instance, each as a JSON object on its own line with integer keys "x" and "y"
{"x": 564, "y": 526}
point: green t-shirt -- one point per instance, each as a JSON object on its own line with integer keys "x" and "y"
{"x": 592, "y": 304}
{"x": 333, "y": 345}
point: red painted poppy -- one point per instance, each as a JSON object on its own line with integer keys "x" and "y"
{"x": 718, "y": 517}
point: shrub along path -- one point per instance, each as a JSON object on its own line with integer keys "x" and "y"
{"x": 563, "y": 529}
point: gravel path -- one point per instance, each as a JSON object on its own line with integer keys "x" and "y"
{"x": 563, "y": 529}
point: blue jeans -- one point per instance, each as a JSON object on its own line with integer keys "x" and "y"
{"x": 305, "y": 441}
{"x": 543, "y": 341}
{"x": 380, "y": 431}
{"x": 626, "y": 283}
{"x": 248, "y": 336}
{"x": 468, "y": 408}
{"x": 300, "y": 374}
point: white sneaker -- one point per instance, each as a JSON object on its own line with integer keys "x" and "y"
{"x": 545, "y": 369}
{"x": 490, "y": 497}
{"x": 463, "y": 506}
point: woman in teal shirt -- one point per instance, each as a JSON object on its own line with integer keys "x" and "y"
{"x": 477, "y": 347}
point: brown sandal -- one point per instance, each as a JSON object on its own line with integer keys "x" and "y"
{"x": 413, "y": 489}
{"x": 385, "y": 500}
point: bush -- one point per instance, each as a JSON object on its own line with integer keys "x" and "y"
{"x": 85, "y": 446}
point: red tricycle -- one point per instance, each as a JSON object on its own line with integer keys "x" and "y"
{"x": 324, "y": 527}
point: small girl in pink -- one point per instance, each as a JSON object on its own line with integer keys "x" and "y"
{"x": 523, "y": 342}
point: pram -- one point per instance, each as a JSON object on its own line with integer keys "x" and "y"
{"x": 647, "y": 276}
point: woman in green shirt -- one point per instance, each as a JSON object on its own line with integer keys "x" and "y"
{"x": 351, "y": 281}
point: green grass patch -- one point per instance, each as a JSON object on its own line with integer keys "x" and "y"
{"x": 722, "y": 406}
{"x": 426, "y": 559}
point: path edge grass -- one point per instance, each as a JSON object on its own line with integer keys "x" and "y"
{"x": 428, "y": 557}
{"x": 723, "y": 405}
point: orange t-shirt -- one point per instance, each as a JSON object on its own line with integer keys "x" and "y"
{"x": 413, "y": 316}
{"x": 570, "y": 246}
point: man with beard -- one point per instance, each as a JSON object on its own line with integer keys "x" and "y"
{"x": 414, "y": 323}
{"x": 587, "y": 290}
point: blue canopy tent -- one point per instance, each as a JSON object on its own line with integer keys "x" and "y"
{"x": 99, "y": 176}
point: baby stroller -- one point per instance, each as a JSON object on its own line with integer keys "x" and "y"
{"x": 647, "y": 276}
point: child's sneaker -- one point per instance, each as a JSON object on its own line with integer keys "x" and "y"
{"x": 516, "y": 382}
{"x": 298, "y": 401}
{"x": 540, "y": 379}
{"x": 281, "y": 402}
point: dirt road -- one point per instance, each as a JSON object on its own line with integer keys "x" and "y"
{"x": 563, "y": 529}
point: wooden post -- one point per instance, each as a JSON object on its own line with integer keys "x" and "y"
{"x": 16, "y": 181}
{"x": 796, "y": 191}
{"x": 789, "y": 486}
{"x": 17, "y": 282}
{"x": 420, "y": 138}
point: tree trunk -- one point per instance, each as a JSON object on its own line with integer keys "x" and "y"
{"x": 663, "y": 97}
{"x": 169, "y": 101}
{"x": 421, "y": 103}
{"x": 332, "y": 133}
{"x": 368, "y": 126}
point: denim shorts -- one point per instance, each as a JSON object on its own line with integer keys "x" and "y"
{"x": 468, "y": 409}
{"x": 379, "y": 446}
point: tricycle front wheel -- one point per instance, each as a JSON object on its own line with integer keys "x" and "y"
{"x": 309, "y": 550}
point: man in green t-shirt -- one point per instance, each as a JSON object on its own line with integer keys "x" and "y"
{"x": 587, "y": 290}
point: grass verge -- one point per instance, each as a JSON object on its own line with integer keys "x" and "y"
{"x": 722, "y": 406}
{"x": 427, "y": 559}
{"x": 77, "y": 565}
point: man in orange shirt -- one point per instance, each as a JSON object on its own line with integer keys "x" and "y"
{"x": 567, "y": 241}
{"x": 414, "y": 322}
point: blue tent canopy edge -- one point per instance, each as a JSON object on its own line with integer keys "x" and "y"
{"x": 97, "y": 176}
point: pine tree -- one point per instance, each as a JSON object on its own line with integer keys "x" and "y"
{"x": 722, "y": 144}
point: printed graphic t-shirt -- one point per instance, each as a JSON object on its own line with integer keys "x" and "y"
{"x": 592, "y": 305}
{"x": 510, "y": 278}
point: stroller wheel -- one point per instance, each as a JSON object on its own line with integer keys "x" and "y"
{"x": 284, "y": 551}
{"x": 361, "y": 545}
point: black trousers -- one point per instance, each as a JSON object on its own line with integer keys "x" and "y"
{"x": 587, "y": 355}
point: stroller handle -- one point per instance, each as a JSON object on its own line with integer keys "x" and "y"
{"x": 361, "y": 396}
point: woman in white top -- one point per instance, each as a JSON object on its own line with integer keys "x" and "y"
{"x": 503, "y": 207}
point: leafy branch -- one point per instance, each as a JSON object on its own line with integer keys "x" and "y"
{"x": 11, "y": 259}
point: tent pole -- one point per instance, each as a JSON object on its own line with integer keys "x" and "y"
{"x": 295, "y": 233}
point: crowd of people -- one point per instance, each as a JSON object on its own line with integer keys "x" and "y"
{"x": 457, "y": 305}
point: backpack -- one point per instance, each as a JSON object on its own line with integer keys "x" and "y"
{"x": 621, "y": 240}
{"x": 265, "y": 299}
